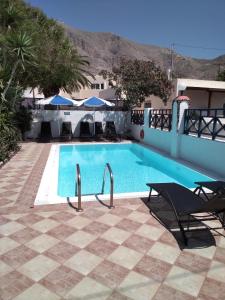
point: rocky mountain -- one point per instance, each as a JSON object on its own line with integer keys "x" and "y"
{"x": 105, "y": 49}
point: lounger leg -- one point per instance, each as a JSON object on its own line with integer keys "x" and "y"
{"x": 150, "y": 194}
{"x": 183, "y": 233}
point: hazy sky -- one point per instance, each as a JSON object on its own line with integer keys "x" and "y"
{"x": 196, "y": 23}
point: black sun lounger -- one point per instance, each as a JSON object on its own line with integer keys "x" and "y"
{"x": 85, "y": 130}
{"x": 185, "y": 203}
{"x": 98, "y": 129}
{"x": 110, "y": 130}
{"x": 217, "y": 187}
{"x": 45, "y": 133}
{"x": 66, "y": 134}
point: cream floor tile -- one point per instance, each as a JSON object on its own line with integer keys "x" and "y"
{"x": 10, "y": 228}
{"x": 83, "y": 262}
{"x": 138, "y": 287}
{"x": 79, "y": 222}
{"x": 80, "y": 239}
{"x": 14, "y": 217}
{"x": 38, "y": 267}
{"x": 109, "y": 219}
{"x": 37, "y": 292}
{"x": 7, "y": 244}
{"x": 150, "y": 232}
{"x": 217, "y": 271}
{"x": 45, "y": 225}
{"x": 42, "y": 243}
{"x": 207, "y": 252}
{"x": 4, "y": 268}
{"x": 125, "y": 257}
{"x": 116, "y": 235}
{"x": 46, "y": 214}
{"x": 164, "y": 252}
{"x": 184, "y": 280}
{"x": 89, "y": 289}
{"x": 138, "y": 217}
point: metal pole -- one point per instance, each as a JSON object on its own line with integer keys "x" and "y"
{"x": 79, "y": 208}
{"x": 111, "y": 186}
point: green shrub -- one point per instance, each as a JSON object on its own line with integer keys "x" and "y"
{"x": 23, "y": 118}
{"x": 10, "y": 136}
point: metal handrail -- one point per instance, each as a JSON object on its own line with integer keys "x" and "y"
{"x": 107, "y": 167}
{"x": 78, "y": 188}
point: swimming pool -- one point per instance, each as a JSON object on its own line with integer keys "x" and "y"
{"x": 133, "y": 166}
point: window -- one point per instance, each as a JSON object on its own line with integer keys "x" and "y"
{"x": 96, "y": 86}
{"x": 102, "y": 86}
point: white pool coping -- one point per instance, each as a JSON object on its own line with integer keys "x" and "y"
{"x": 48, "y": 188}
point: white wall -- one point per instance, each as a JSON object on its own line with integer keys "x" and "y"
{"x": 57, "y": 117}
{"x": 154, "y": 137}
{"x": 203, "y": 153}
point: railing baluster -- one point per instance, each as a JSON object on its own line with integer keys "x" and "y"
{"x": 213, "y": 127}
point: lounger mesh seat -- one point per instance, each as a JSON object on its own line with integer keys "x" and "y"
{"x": 110, "y": 130}
{"x": 66, "y": 133}
{"x": 45, "y": 133}
{"x": 85, "y": 130}
{"x": 215, "y": 186}
{"x": 98, "y": 128}
{"x": 185, "y": 203}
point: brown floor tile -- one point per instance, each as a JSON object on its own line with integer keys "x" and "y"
{"x": 168, "y": 238}
{"x": 193, "y": 263}
{"x": 213, "y": 289}
{"x": 168, "y": 293}
{"x": 62, "y": 231}
{"x": 3, "y": 220}
{"x": 25, "y": 235}
{"x": 29, "y": 219}
{"x": 138, "y": 243}
{"x": 92, "y": 213}
{"x": 128, "y": 225}
{"x": 96, "y": 228}
{"x": 61, "y": 280}
{"x": 4, "y": 202}
{"x": 18, "y": 256}
{"x": 109, "y": 274}
{"x": 220, "y": 254}
{"x": 152, "y": 267}
{"x": 62, "y": 216}
{"x": 117, "y": 296}
{"x": 13, "y": 284}
{"x": 101, "y": 247}
{"x": 121, "y": 211}
{"x": 61, "y": 252}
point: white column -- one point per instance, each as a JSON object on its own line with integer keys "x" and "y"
{"x": 174, "y": 135}
{"x": 177, "y": 126}
{"x": 146, "y": 117}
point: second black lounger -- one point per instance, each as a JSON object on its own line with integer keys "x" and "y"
{"x": 85, "y": 130}
{"x": 66, "y": 134}
{"x": 110, "y": 130}
{"x": 185, "y": 203}
{"x": 98, "y": 129}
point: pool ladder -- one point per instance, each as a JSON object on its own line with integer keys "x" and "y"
{"x": 78, "y": 188}
{"x": 78, "y": 185}
{"x": 108, "y": 167}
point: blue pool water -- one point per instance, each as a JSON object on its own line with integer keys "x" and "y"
{"x": 133, "y": 166}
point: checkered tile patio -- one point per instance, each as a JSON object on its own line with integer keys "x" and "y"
{"x": 53, "y": 252}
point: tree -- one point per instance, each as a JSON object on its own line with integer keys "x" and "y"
{"x": 58, "y": 64}
{"x": 34, "y": 52}
{"x": 221, "y": 76}
{"x": 134, "y": 80}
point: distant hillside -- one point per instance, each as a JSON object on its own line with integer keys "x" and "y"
{"x": 104, "y": 49}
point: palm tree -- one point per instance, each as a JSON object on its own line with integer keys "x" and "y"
{"x": 16, "y": 53}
